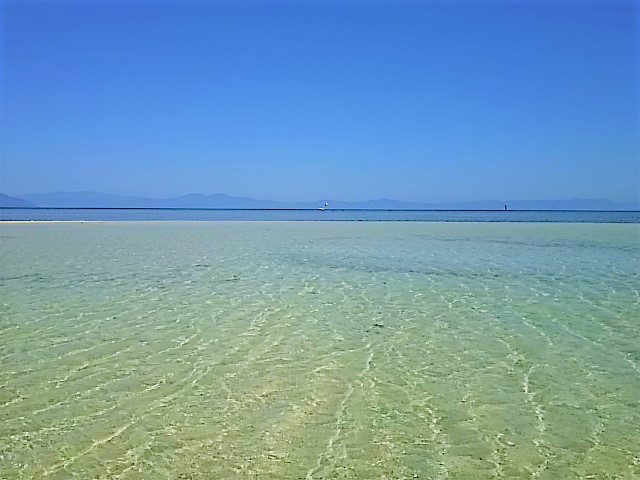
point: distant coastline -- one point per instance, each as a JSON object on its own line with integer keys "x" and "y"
{"x": 90, "y": 200}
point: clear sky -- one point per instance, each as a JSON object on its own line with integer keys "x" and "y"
{"x": 418, "y": 100}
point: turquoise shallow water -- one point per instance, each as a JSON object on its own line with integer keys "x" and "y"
{"x": 319, "y": 350}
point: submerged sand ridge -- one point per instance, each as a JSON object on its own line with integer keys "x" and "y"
{"x": 306, "y": 350}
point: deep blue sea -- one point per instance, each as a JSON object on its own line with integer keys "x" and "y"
{"x": 161, "y": 214}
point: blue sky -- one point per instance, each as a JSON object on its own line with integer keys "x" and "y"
{"x": 421, "y": 101}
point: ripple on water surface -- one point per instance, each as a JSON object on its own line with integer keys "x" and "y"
{"x": 306, "y": 350}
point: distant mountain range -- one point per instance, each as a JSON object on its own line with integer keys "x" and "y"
{"x": 192, "y": 200}
{"x": 7, "y": 201}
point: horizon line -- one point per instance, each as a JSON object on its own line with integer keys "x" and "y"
{"x": 329, "y": 209}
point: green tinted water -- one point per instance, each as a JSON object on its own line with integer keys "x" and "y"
{"x": 319, "y": 350}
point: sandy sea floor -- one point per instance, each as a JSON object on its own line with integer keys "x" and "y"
{"x": 319, "y": 350}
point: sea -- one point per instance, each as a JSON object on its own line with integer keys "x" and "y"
{"x": 382, "y": 345}
{"x": 203, "y": 214}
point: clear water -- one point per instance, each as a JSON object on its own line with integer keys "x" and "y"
{"x": 93, "y": 214}
{"x": 319, "y": 350}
